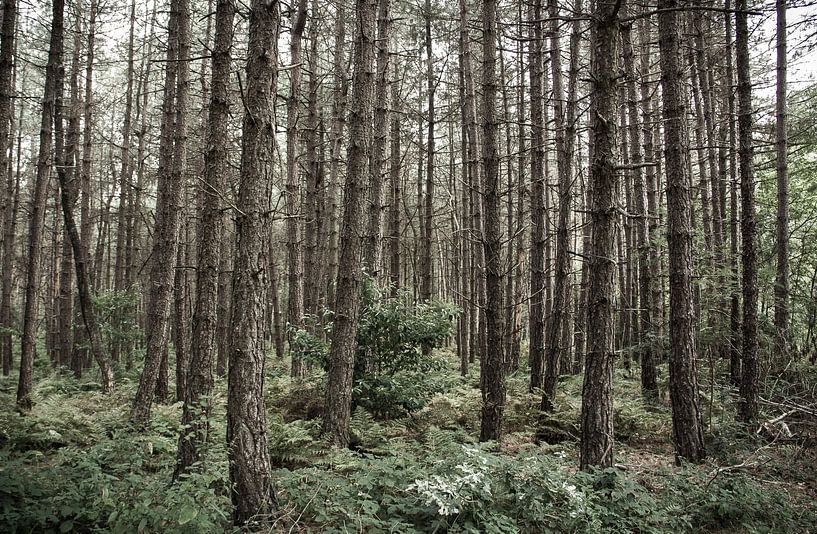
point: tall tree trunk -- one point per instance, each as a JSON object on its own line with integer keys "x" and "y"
{"x": 649, "y": 382}
{"x": 561, "y": 295}
{"x": 492, "y": 377}
{"x": 597, "y": 392}
{"x": 426, "y": 266}
{"x": 781, "y": 287}
{"x": 686, "y": 418}
{"x": 294, "y": 261}
{"x": 748, "y": 409}
{"x": 79, "y": 254}
{"x": 125, "y": 190}
{"x": 37, "y": 212}
{"x": 396, "y": 199}
{"x": 536, "y": 344}
{"x": 347, "y": 298}
{"x": 253, "y": 495}
{"x": 340, "y": 88}
{"x": 9, "y": 235}
{"x": 734, "y": 300}
{"x": 166, "y": 230}
{"x": 7, "y": 47}
{"x": 372, "y": 245}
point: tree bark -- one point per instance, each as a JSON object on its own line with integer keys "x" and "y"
{"x": 536, "y": 346}
{"x": 748, "y": 409}
{"x": 372, "y": 245}
{"x": 597, "y": 392}
{"x": 781, "y": 287}
{"x": 294, "y": 260}
{"x": 166, "y": 229}
{"x": 686, "y": 418}
{"x": 37, "y": 212}
{"x": 253, "y": 495}
{"x": 492, "y": 372}
{"x": 649, "y": 382}
{"x": 347, "y": 298}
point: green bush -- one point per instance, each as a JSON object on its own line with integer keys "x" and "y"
{"x": 393, "y": 361}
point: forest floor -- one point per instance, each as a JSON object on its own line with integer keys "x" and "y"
{"x": 75, "y": 464}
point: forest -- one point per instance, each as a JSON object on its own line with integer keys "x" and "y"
{"x": 472, "y": 266}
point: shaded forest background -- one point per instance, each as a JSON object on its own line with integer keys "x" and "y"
{"x": 417, "y": 262}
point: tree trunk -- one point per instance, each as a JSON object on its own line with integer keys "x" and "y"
{"x": 253, "y": 495}
{"x": 347, "y": 298}
{"x": 686, "y": 418}
{"x": 372, "y": 245}
{"x": 781, "y": 287}
{"x": 536, "y": 344}
{"x": 166, "y": 230}
{"x": 492, "y": 372}
{"x": 649, "y": 382}
{"x": 748, "y": 409}
{"x": 597, "y": 392}
{"x": 294, "y": 260}
{"x": 197, "y": 402}
{"x": 37, "y": 213}
{"x": 561, "y": 295}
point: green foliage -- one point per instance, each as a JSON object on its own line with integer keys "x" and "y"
{"x": 394, "y": 342}
{"x": 75, "y": 465}
{"x": 116, "y": 315}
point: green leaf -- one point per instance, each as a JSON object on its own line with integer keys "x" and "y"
{"x": 187, "y": 514}
{"x": 66, "y": 526}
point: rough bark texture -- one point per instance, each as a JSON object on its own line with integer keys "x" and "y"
{"x": 748, "y": 409}
{"x": 347, "y": 297}
{"x": 294, "y": 260}
{"x": 202, "y": 350}
{"x": 561, "y": 282}
{"x": 649, "y": 382}
{"x": 686, "y": 418}
{"x": 166, "y": 230}
{"x": 492, "y": 379}
{"x": 253, "y": 495}
{"x": 37, "y": 212}
{"x": 781, "y": 286}
{"x": 597, "y": 392}
{"x": 371, "y": 248}
{"x": 536, "y": 345}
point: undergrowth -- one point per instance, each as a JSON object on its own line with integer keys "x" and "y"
{"x": 74, "y": 464}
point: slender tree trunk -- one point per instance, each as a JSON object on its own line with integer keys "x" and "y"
{"x": 492, "y": 372}
{"x": 396, "y": 200}
{"x": 597, "y": 392}
{"x": 781, "y": 288}
{"x": 125, "y": 190}
{"x": 372, "y": 245}
{"x": 9, "y": 235}
{"x": 686, "y": 418}
{"x": 536, "y": 347}
{"x": 340, "y": 88}
{"x": 37, "y": 212}
{"x": 649, "y": 382}
{"x": 561, "y": 295}
{"x": 253, "y": 495}
{"x": 294, "y": 260}
{"x": 426, "y": 266}
{"x": 347, "y": 298}
{"x": 197, "y": 403}
{"x": 79, "y": 254}
{"x": 166, "y": 230}
{"x": 748, "y": 381}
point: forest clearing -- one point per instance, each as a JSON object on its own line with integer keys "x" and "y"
{"x": 485, "y": 266}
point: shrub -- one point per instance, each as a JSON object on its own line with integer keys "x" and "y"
{"x": 393, "y": 359}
